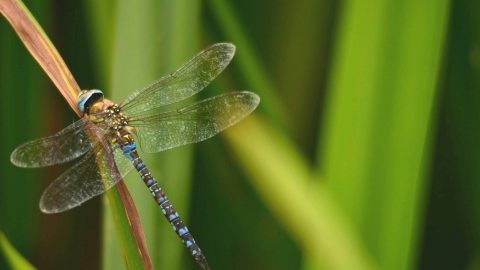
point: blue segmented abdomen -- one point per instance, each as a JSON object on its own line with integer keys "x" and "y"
{"x": 130, "y": 151}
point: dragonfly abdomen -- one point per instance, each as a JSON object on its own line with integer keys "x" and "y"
{"x": 130, "y": 151}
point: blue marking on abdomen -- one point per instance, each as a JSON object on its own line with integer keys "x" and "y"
{"x": 172, "y": 217}
{"x": 182, "y": 231}
{"x": 150, "y": 182}
{"x": 162, "y": 199}
{"x": 129, "y": 147}
{"x": 140, "y": 166}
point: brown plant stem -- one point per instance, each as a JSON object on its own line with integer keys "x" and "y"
{"x": 47, "y": 56}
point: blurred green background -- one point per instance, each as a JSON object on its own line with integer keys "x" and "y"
{"x": 363, "y": 153}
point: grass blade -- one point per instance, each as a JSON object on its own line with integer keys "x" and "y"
{"x": 180, "y": 21}
{"x": 286, "y": 174}
{"x": 136, "y": 64}
{"x": 14, "y": 258}
{"x": 250, "y": 67}
{"x": 45, "y": 53}
{"x": 377, "y": 135}
{"x": 286, "y": 171}
{"x": 41, "y": 48}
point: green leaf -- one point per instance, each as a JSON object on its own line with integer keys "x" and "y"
{"x": 13, "y": 257}
{"x": 308, "y": 212}
{"x": 140, "y": 57}
{"x": 135, "y": 253}
{"x": 36, "y": 41}
{"x": 376, "y": 149}
{"x": 281, "y": 174}
{"x": 251, "y": 68}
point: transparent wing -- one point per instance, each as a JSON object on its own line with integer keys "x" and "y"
{"x": 194, "y": 123}
{"x": 186, "y": 81}
{"x": 66, "y": 145}
{"x": 89, "y": 177}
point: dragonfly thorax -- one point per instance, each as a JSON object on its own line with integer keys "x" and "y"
{"x": 91, "y": 102}
{"x": 115, "y": 118}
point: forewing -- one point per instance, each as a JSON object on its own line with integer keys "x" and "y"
{"x": 186, "y": 81}
{"x": 66, "y": 145}
{"x": 91, "y": 176}
{"x": 194, "y": 123}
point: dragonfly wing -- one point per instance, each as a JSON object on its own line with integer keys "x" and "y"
{"x": 186, "y": 81}
{"x": 66, "y": 145}
{"x": 194, "y": 123}
{"x": 124, "y": 165}
{"x": 91, "y": 176}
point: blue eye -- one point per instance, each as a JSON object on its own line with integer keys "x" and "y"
{"x": 85, "y": 97}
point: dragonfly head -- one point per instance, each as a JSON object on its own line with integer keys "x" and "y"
{"x": 88, "y": 98}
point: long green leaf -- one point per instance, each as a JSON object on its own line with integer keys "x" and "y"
{"x": 285, "y": 172}
{"x": 179, "y": 25}
{"x": 283, "y": 181}
{"x": 101, "y": 24}
{"x": 139, "y": 57}
{"x": 45, "y": 53}
{"x": 14, "y": 258}
{"x": 251, "y": 68}
{"x": 376, "y": 148}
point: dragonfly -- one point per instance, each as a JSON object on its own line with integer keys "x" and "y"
{"x": 104, "y": 136}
